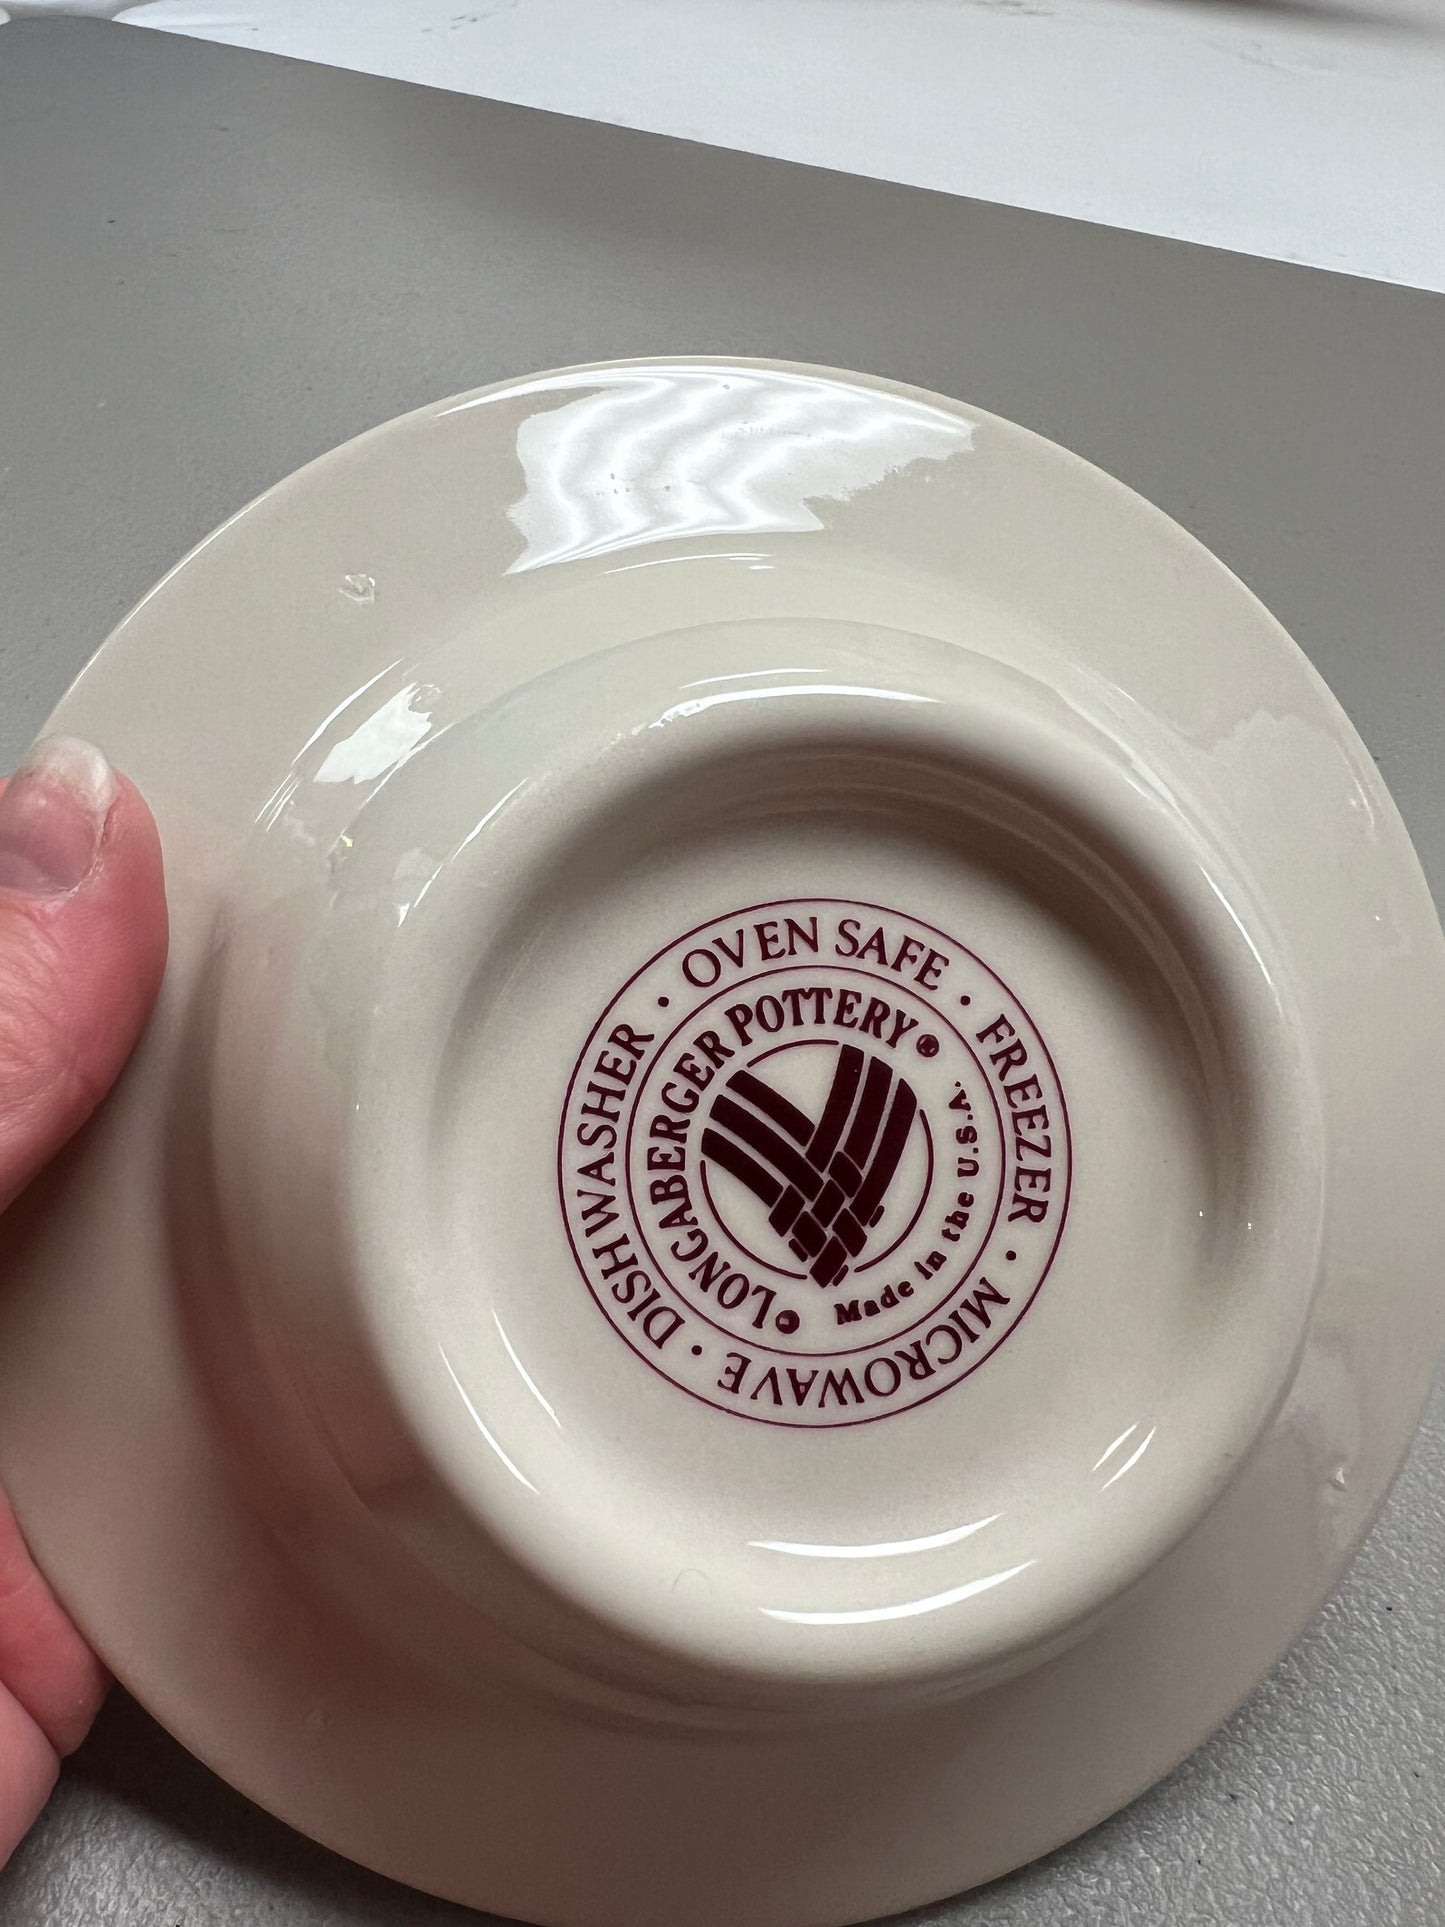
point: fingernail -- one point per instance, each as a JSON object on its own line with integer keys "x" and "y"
{"x": 52, "y": 814}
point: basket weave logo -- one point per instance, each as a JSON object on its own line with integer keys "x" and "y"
{"x": 824, "y": 1191}
{"x": 814, "y": 1162}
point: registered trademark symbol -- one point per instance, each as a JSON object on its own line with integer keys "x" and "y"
{"x": 928, "y": 1046}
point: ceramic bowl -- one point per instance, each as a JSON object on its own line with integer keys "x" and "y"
{"x": 784, "y": 1168}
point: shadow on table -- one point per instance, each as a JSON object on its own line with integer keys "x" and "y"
{"x": 132, "y": 1760}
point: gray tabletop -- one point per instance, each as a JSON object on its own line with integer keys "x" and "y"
{"x": 214, "y": 265}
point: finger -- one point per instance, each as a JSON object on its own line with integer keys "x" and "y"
{"x": 82, "y": 945}
{"x": 45, "y": 1665}
{"x": 28, "y": 1767}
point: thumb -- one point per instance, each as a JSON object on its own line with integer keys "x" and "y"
{"x": 82, "y": 945}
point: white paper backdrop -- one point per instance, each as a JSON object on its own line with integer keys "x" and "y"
{"x": 1304, "y": 130}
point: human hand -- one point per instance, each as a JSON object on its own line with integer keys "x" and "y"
{"x": 82, "y": 947}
